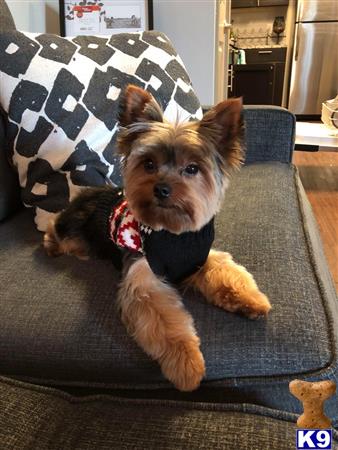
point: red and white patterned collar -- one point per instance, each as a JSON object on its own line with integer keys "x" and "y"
{"x": 124, "y": 230}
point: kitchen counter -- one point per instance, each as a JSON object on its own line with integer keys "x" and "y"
{"x": 316, "y": 136}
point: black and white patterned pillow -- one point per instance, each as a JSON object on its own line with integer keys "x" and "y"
{"x": 61, "y": 95}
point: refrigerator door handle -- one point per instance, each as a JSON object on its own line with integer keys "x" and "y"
{"x": 297, "y": 44}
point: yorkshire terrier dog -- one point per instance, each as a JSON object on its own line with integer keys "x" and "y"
{"x": 159, "y": 229}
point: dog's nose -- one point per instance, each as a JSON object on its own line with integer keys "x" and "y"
{"x": 162, "y": 190}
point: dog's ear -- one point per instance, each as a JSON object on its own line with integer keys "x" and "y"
{"x": 137, "y": 113}
{"x": 223, "y": 126}
{"x": 138, "y": 105}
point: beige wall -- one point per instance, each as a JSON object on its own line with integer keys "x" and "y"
{"x": 36, "y": 16}
{"x": 191, "y": 26}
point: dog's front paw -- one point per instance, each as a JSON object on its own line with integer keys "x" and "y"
{"x": 252, "y": 304}
{"x": 51, "y": 245}
{"x": 183, "y": 365}
{"x": 255, "y": 305}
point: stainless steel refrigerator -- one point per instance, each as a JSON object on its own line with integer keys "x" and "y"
{"x": 314, "y": 71}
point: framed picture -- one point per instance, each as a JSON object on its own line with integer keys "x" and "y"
{"x": 104, "y": 17}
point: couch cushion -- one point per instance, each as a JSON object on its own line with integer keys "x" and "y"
{"x": 61, "y": 96}
{"x": 58, "y": 322}
{"x": 34, "y": 418}
{"x": 276, "y": 138}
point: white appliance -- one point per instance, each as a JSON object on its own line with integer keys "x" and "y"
{"x": 314, "y": 74}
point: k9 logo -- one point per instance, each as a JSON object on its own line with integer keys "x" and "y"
{"x": 314, "y": 439}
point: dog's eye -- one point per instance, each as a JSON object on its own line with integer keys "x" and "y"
{"x": 149, "y": 165}
{"x": 191, "y": 169}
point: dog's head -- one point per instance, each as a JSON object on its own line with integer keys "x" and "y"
{"x": 175, "y": 174}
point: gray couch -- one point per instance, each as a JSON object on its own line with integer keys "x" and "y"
{"x": 71, "y": 377}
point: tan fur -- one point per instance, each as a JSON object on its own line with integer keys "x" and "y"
{"x": 154, "y": 315}
{"x": 194, "y": 201}
{"x": 50, "y": 241}
{"x": 230, "y": 286}
{"x": 57, "y": 247}
{"x": 151, "y": 309}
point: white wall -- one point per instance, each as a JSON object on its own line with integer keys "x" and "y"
{"x": 191, "y": 26}
{"x": 36, "y": 16}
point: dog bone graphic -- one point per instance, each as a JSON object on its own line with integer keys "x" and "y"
{"x": 313, "y": 396}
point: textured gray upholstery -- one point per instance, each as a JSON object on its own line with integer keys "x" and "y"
{"x": 58, "y": 322}
{"x": 47, "y": 419}
{"x": 270, "y": 132}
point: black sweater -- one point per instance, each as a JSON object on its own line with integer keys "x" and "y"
{"x": 171, "y": 256}
{"x": 176, "y": 257}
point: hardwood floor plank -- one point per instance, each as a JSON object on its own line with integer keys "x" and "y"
{"x": 319, "y": 174}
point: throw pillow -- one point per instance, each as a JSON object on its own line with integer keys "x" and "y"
{"x": 60, "y": 97}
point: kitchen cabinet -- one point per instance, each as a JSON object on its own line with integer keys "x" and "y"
{"x": 259, "y": 84}
{"x": 254, "y": 82}
{"x": 265, "y": 54}
{"x": 257, "y": 3}
{"x": 260, "y": 81}
{"x": 243, "y": 3}
{"x": 273, "y": 2}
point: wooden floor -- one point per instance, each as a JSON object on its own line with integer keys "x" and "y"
{"x": 319, "y": 175}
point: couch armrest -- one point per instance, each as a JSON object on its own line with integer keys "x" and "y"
{"x": 270, "y": 133}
